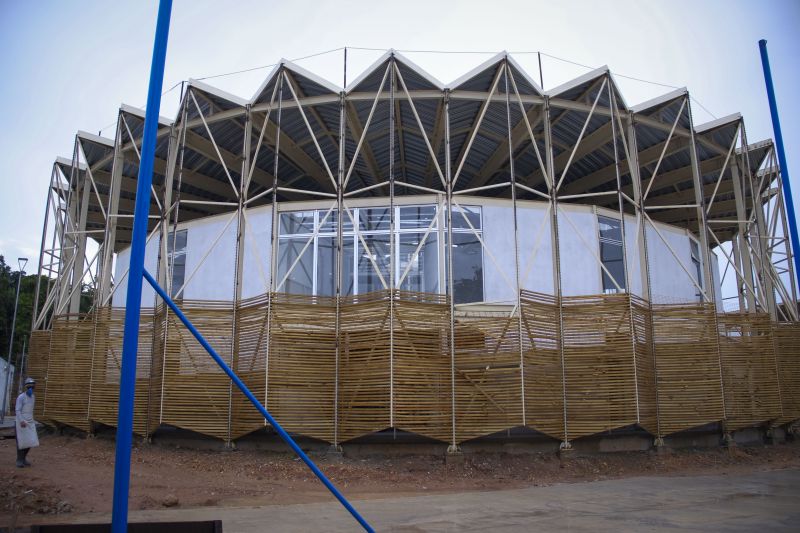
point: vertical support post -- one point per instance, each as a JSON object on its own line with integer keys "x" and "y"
{"x": 708, "y": 284}
{"x": 79, "y": 238}
{"x": 392, "y": 291}
{"x": 702, "y": 226}
{"x": 742, "y": 245}
{"x": 644, "y": 259}
{"x": 548, "y": 141}
{"x": 66, "y": 241}
{"x": 448, "y": 169}
{"x": 760, "y": 227}
{"x": 35, "y": 311}
{"x": 626, "y": 271}
{"x": 110, "y": 236}
{"x": 122, "y": 464}
{"x": 784, "y": 166}
{"x": 239, "y": 261}
{"x": 516, "y": 240}
{"x": 275, "y": 233}
{"x": 339, "y": 256}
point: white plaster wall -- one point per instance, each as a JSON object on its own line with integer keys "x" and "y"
{"x": 717, "y": 286}
{"x": 256, "y": 255}
{"x": 535, "y": 263}
{"x": 669, "y": 282}
{"x": 499, "y": 270}
{"x": 121, "y": 266}
{"x": 213, "y": 279}
{"x": 579, "y": 248}
{"x": 634, "y": 256}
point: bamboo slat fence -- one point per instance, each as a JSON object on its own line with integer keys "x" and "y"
{"x": 568, "y": 369}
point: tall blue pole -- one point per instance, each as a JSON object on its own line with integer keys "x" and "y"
{"x": 133, "y": 303}
{"x": 776, "y": 128}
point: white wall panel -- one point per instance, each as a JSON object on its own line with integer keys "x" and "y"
{"x": 256, "y": 260}
{"x": 213, "y": 279}
{"x": 121, "y": 266}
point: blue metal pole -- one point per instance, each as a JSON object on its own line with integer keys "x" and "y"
{"x": 130, "y": 343}
{"x": 242, "y": 387}
{"x": 776, "y": 128}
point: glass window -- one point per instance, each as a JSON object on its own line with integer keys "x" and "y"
{"x": 417, "y": 217}
{"x": 374, "y": 219}
{"x": 329, "y": 225}
{"x": 471, "y": 213}
{"x": 297, "y": 223}
{"x": 326, "y": 266}
{"x": 376, "y": 253}
{"x": 611, "y": 254}
{"x": 467, "y": 268}
{"x": 369, "y": 252}
{"x": 300, "y": 279}
{"x": 421, "y": 268}
{"x": 176, "y": 259}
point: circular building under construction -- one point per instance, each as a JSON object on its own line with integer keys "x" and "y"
{"x": 447, "y": 260}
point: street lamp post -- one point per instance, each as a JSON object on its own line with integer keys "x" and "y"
{"x": 22, "y": 261}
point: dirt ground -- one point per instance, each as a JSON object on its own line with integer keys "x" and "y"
{"x": 72, "y": 474}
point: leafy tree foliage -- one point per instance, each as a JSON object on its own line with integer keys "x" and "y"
{"x": 27, "y": 289}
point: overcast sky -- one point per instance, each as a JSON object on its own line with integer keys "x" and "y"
{"x": 66, "y": 66}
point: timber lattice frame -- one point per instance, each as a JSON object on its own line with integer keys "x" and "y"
{"x": 340, "y": 367}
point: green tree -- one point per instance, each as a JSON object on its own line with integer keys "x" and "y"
{"x": 27, "y": 296}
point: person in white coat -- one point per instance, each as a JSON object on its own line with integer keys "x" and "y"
{"x": 25, "y": 425}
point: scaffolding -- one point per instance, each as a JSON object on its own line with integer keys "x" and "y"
{"x": 339, "y": 367}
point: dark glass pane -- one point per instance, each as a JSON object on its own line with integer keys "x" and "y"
{"x": 326, "y": 266}
{"x": 298, "y": 222}
{"x": 348, "y": 266}
{"x": 421, "y": 270}
{"x": 467, "y": 268}
{"x": 611, "y": 255}
{"x": 176, "y": 259}
{"x": 299, "y": 280}
{"x": 374, "y": 219}
{"x": 473, "y": 214}
{"x": 417, "y": 217}
{"x": 610, "y": 228}
{"x": 376, "y": 253}
{"x": 329, "y": 225}
{"x": 610, "y": 252}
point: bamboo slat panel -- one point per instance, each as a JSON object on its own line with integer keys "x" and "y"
{"x": 106, "y": 365}
{"x": 544, "y": 399}
{"x": 196, "y": 392}
{"x": 364, "y": 366}
{"x": 488, "y": 380}
{"x": 302, "y": 364}
{"x": 749, "y": 370}
{"x": 599, "y": 364}
{"x": 687, "y": 366}
{"x": 37, "y": 361}
{"x": 645, "y": 365}
{"x": 787, "y": 342}
{"x": 250, "y": 363}
{"x": 68, "y": 373}
{"x": 422, "y": 384}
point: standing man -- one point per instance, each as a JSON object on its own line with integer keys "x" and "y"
{"x": 26, "y": 427}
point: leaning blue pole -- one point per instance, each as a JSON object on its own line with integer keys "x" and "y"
{"x": 133, "y": 302}
{"x": 250, "y": 396}
{"x": 776, "y": 128}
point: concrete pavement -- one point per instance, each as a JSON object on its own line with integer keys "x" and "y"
{"x": 760, "y": 501}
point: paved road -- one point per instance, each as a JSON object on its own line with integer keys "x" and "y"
{"x": 760, "y": 501}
